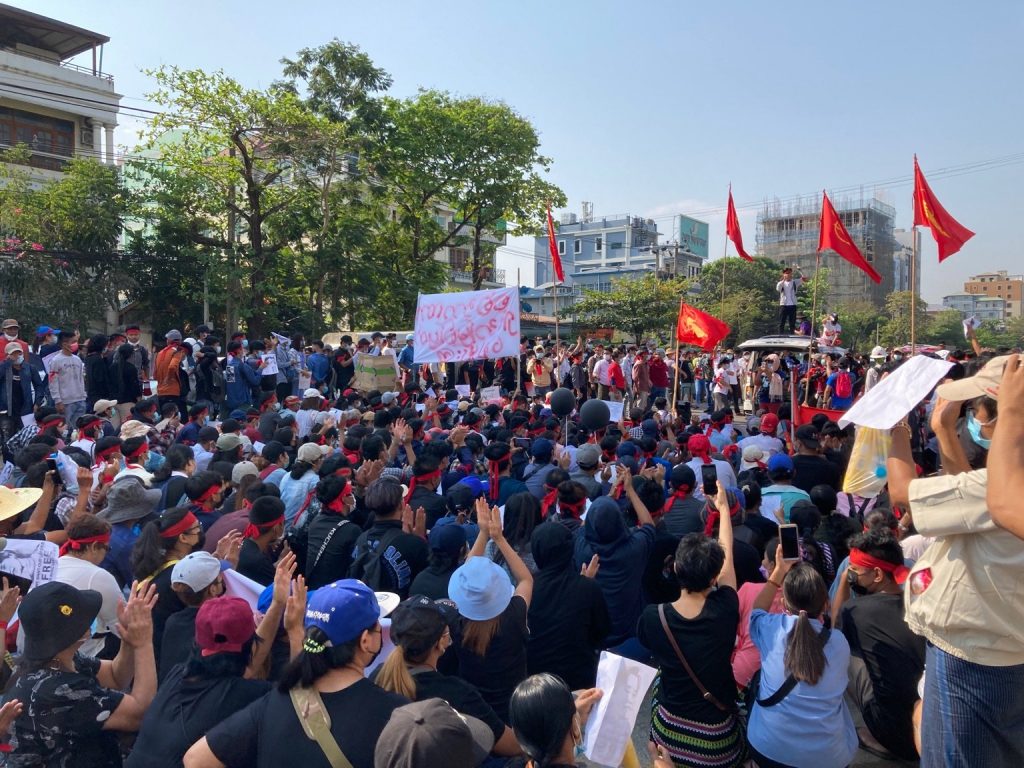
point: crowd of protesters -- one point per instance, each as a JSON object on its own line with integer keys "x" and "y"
{"x": 440, "y": 572}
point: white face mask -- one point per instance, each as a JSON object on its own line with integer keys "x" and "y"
{"x": 11, "y": 336}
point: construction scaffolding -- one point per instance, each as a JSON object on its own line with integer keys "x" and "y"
{"x": 788, "y": 233}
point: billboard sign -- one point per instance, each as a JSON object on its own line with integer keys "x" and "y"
{"x": 693, "y": 236}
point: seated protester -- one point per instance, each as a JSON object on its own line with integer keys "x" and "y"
{"x": 90, "y": 427}
{"x": 130, "y": 505}
{"x": 490, "y": 643}
{"x": 426, "y": 477}
{"x": 622, "y": 552}
{"x": 331, "y": 535}
{"x": 746, "y": 559}
{"x": 571, "y": 503}
{"x": 195, "y": 579}
{"x": 522, "y": 514}
{"x": 447, "y": 552}
{"x": 818, "y": 553}
{"x": 162, "y": 543}
{"x": 342, "y": 637}
{"x": 179, "y": 465}
{"x": 547, "y": 719}
{"x": 800, "y": 718}
{"x": 778, "y": 498}
{"x": 205, "y": 490}
{"x": 205, "y": 447}
{"x": 886, "y": 658}
{"x": 262, "y": 540}
{"x": 229, "y": 449}
{"x": 700, "y": 449}
{"x": 223, "y": 655}
{"x": 276, "y": 456}
{"x": 568, "y": 616}
{"x": 238, "y": 521}
{"x": 835, "y": 529}
{"x": 550, "y": 497}
{"x": 746, "y": 660}
{"x": 810, "y": 466}
{"x": 691, "y": 727}
{"x": 880, "y": 518}
{"x": 198, "y": 415}
{"x": 682, "y": 512}
{"x": 79, "y": 565}
{"x": 300, "y": 481}
{"x": 765, "y": 438}
{"x": 420, "y": 632}
{"x": 385, "y": 557}
{"x": 541, "y": 452}
{"x": 588, "y": 472}
{"x": 75, "y": 705}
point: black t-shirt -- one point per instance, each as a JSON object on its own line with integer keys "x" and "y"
{"x": 894, "y": 656}
{"x": 434, "y": 505}
{"x": 747, "y": 563}
{"x": 167, "y": 604}
{"x": 336, "y": 558}
{"x": 268, "y": 734}
{"x": 497, "y": 673}
{"x": 809, "y": 471}
{"x": 763, "y": 529}
{"x": 183, "y": 711}
{"x": 253, "y": 563}
{"x": 707, "y": 642}
{"x": 684, "y": 517}
{"x": 179, "y": 637}
{"x": 405, "y": 556}
{"x": 432, "y": 582}
{"x": 61, "y": 725}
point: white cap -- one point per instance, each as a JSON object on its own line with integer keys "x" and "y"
{"x": 197, "y": 570}
{"x": 408, "y": 337}
{"x": 311, "y": 393}
{"x": 878, "y": 352}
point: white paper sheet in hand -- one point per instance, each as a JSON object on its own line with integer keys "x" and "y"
{"x": 614, "y": 411}
{"x": 610, "y": 727}
{"x": 894, "y": 396}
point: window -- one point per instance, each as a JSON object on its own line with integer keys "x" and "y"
{"x": 561, "y": 247}
{"x": 577, "y": 246}
{"x": 598, "y": 244}
{"x": 42, "y": 134}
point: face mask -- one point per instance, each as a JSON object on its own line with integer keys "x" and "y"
{"x": 245, "y": 343}
{"x": 897, "y": 358}
{"x": 277, "y": 406}
{"x": 10, "y": 336}
{"x": 217, "y": 349}
{"x": 974, "y": 429}
{"x": 74, "y": 348}
{"x": 855, "y": 586}
{"x": 17, "y": 360}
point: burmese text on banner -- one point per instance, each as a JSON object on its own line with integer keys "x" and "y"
{"x": 472, "y": 325}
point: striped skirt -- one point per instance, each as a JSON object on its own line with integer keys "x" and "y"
{"x": 699, "y": 745}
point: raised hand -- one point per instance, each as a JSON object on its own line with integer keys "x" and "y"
{"x": 283, "y": 573}
{"x": 228, "y": 547}
{"x": 295, "y": 606}
{"x": 590, "y": 569}
{"x": 135, "y": 617}
{"x": 9, "y": 599}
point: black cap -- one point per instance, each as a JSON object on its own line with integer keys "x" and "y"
{"x": 807, "y": 435}
{"x": 54, "y": 616}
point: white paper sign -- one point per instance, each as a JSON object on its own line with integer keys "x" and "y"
{"x": 614, "y": 411}
{"x": 462, "y": 389}
{"x": 28, "y": 420}
{"x": 896, "y": 395}
{"x": 490, "y": 393}
{"x": 237, "y": 585}
{"x": 971, "y": 323}
{"x": 467, "y": 325}
{"x": 29, "y": 559}
{"x": 305, "y": 379}
{"x": 269, "y": 364}
{"x": 610, "y": 727}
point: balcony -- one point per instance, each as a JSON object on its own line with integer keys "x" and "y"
{"x": 492, "y": 276}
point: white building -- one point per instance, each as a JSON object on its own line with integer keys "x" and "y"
{"x": 57, "y": 108}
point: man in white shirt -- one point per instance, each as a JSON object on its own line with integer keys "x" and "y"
{"x": 765, "y": 438}
{"x": 787, "y": 288}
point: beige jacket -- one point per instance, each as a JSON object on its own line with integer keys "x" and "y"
{"x": 973, "y": 606}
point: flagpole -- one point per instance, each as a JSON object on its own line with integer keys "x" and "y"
{"x": 814, "y": 315}
{"x": 519, "y": 360}
{"x": 725, "y": 251}
{"x": 913, "y": 289}
{"x": 675, "y": 386}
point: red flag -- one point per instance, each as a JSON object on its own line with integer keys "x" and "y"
{"x": 950, "y": 235}
{"x": 834, "y": 235}
{"x": 732, "y": 229}
{"x": 698, "y": 328}
{"x": 553, "y": 247}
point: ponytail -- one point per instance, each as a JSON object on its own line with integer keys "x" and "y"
{"x": 805, "y": 593}
{"x": 299, "y": 468}
{"x": 317, "y": 657}
{"x": 394, "y": 675}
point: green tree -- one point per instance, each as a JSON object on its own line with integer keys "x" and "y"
{"x": 896, "y": 330}
{"x": 641, "y": 305}
{"x": 750, "y": 304}
{"x": 859, "y": 320}
{"x": 816, "y": 286}
{"x": 946, "y": 327}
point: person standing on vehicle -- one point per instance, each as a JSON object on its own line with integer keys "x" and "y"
{"x": 787, "y": 288}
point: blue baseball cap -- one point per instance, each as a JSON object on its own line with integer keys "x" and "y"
{"x": 44, "y": 330}
{"x": 343, "y": 609}
{"x": 449, "y": 539}
{"x": 780, "y": 462}
{"x": 478, "y": 486}
{"x": 541, "y": 448}
{"x": 238, "y": 414}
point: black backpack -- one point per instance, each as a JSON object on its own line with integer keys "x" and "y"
{"x": 369, "y": 567}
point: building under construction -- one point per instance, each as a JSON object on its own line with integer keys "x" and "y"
{"x": 788, "y": 233}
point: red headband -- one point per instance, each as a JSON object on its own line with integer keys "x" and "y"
{"x": 573, "y": 507}
{"x": 77, "y": 544}
{"x": 495, "y": 466}
{"x": 179, "y": 527}
{"x": 548, "y": 501}
{"x": 107, "y": 451}
{"x": 143, "y": 447}
{"x": 421, "y": 479}
{"x": 862, "y": 559}
{"x": 208, "y": 493}
{"x": 680, "y": 493}
{"x": 253, "y": 530}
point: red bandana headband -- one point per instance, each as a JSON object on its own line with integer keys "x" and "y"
{"x": 862, "y": 559}
{"x": 77, "y": 544}
{"x": 254, "y": 530}
{"x": 425, "y": 478}
{"x": 574, "y": 508}
{"x": 681, "y": 493}
{"x": 179, "y": 527}
{"x": 138, "y": 451}
{"x": 209, "y": 493}
{"x": 495, "y": 466}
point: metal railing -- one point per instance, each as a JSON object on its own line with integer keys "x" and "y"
{"x": 65, "y": 64}
{"x": 490, "y": 276}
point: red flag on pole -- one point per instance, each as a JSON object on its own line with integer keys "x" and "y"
{"x": 553, "y": 247}
{"x": 833, "y": 235}
{"x": 950, "y": 235}
{"x": 732, "y": 228}
{"x": 698, "y": 328}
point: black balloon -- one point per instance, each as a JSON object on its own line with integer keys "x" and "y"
{"x": 594, "y": 415}
{"x": 562, "y": 401}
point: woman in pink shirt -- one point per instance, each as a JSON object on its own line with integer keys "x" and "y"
{"x": 745, "y": 657}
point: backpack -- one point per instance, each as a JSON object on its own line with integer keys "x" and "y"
{"x": 844, "y": 385}
{"x": 369, "y": 567}
{"x": 218, "y": 390}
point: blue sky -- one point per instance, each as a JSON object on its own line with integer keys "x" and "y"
{"x": 653, "y": 108}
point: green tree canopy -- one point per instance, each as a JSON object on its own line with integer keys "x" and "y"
{"x": 641, "y": 305}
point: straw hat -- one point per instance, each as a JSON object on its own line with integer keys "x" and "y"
{"x": 14, "y": 501}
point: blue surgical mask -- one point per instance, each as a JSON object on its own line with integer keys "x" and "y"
{"x": 974, "y": 429}
{"x": 245, "y": 343}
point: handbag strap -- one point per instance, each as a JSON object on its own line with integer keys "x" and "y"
{"x": 704, "y": 692}
{"x": 312, "y": 714}
{"x": 790, "y": 682}
{"x": 327, "y": 540}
